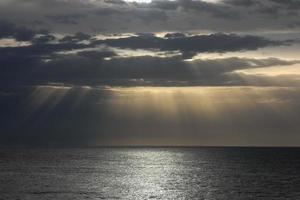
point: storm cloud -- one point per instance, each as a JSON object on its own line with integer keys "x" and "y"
{"x": 183, "y": 15}
{"x": 42, "y": 63}
{"x": 194, "y": 44}
{"x": 10, "y": 30}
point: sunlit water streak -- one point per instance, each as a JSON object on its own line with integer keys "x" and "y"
{"x": 150, "y": 173}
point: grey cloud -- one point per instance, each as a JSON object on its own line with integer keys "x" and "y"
{"x": 190, "y": 45}
{"x": 179, "y": 15}
{"x": 79, "y": 36}
{"x": 187, "y": 45}
{"x": 174, "y": 35}
{"x": 216, "y": 10}
{"x": 10, "y": 30}
{"x": 66, "y": 18}
{"x": 133, "y": 13}
{"x": 90, "y": 67}
{"x": 17, "y": 63}
{"x": 97, "y": 54}
{"x": 289, "y": 80}
{"x": 108, "y": 11}
{"x": 43, "y": 61}
{"x": 268, "y": 8}
{"x": 290, "y": 4}
{"x": 44, "y": 38}
{"x": 20, "y": 33}
{"x": 115, "y": 2}
{"x": 151, "y": 15}
{"x": 246, "y": 3}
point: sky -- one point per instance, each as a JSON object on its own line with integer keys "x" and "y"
{"x": 149, "y": 73}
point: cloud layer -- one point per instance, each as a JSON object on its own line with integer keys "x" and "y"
{"x": 183, "y": 15}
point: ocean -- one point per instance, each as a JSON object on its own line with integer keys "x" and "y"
{"x": 150, "y": 173}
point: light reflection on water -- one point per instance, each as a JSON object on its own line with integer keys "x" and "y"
{"x": 145, "y": 173}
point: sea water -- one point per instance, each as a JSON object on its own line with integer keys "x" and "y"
{"x": 150, "y": 173}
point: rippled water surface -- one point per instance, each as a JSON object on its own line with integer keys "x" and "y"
{"x": 150, "y": 173}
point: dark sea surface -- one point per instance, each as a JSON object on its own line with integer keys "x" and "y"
{"x": 150, "y": 173}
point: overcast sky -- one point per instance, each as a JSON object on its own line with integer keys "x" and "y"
{"x": 142, "y": 72}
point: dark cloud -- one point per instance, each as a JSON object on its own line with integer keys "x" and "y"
{"x": 290, "y": 4}
{"x": 174, "y": 35}
{"x": 17, "y": 63}
{"x": 10, "y": 30}
{"x": 165, "y": 5}
{"x": 97, "y": 54}
{"x": 133, "y": 14}
{"x": 79, "y": 36}
{"x": 269, "y": 8}
{"x": 66, "y": 18}
{"x": 216, "y": 10}
{"x": 108, "y": 11}
{"x": 231, "y": 9}
{"x": 190, "y": 45}
{"x": 70, "y": 60}
{"x": 40, "y": 64}
{"x": 246, "y": 3}
{"x": 178, "y": 15}
{"x": 44, "y": 38}
{"x": 115, "y": 1}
